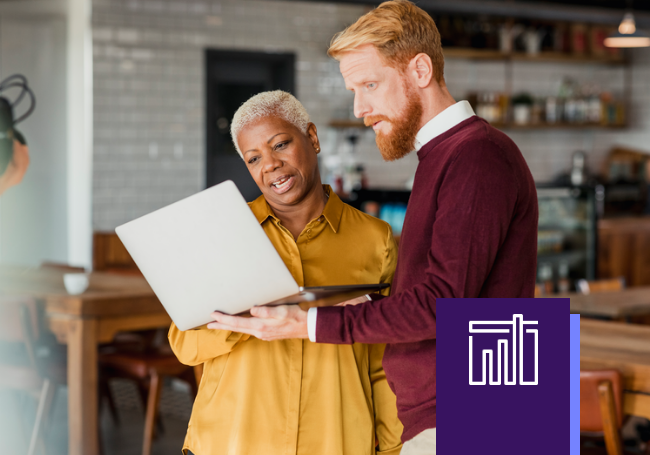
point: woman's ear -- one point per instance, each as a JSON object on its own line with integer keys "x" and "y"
{"x": 313, "y": 137}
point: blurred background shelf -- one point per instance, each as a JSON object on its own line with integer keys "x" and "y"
{"x": 342, "y": 123}
{"x": 569, "y": 256}
{"x": 557, "y": 126}
{"x": 542, "y": 57}
{"x": 503, "y": 126}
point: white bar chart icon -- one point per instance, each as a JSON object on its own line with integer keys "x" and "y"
{"x": 510, "y": 355}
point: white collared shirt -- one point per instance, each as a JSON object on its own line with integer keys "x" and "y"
{"x": 446, "y": 120}
{"x": 439, "y": 124}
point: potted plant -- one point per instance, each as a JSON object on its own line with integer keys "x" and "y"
{"x": 522, "y": 108}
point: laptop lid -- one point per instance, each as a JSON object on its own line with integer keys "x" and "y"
{"x": 207, "y": 252}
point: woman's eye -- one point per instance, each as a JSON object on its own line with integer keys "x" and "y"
{"x": 281, "y": 145}
{"x": 371, "y": 85}
{"x": 253, "y": 160}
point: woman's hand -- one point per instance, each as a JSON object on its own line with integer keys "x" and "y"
{"x": 16, "y": 169}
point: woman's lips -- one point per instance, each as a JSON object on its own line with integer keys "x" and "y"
{"x": 283, "y": 185}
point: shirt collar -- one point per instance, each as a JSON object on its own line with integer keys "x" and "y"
{"x": 332, "y": 212}
{"x": 442, "y": 122}
{"x": 333, "y": 209}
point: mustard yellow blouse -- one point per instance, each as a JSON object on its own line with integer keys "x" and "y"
{"x": 294, "y": 397}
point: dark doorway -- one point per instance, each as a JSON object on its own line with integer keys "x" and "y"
{"x": 231, "y": 78}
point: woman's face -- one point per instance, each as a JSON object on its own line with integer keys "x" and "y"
{"x": 281, "y": 159}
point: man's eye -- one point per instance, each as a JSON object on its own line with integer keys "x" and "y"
{"x": 371, "y": 85}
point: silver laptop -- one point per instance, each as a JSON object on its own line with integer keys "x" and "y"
{"x": 208, "y": 252}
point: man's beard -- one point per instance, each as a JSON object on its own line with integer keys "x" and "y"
{"x": 400, "y": 141}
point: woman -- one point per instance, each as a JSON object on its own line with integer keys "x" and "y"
{"x": 294, "y": 396}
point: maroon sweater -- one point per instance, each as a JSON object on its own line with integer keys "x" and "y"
{"x": 470, "y": 231}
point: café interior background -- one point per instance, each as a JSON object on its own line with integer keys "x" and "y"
{"x": 119, "y": 129}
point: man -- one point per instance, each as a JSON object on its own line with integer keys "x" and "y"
{"x": 471, "y": 224}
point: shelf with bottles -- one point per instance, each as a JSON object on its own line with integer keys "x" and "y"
{"x": 561, "y": 256}
{"x": 541, "y": 57}
{"x": 575, "y": 106}
{"x": 558, "y": 126}
{"x": 555, "y": 278}
{"x": 345, "y": 123}
{"x": 482, "y": 37}
{"x": 570, "y": 225}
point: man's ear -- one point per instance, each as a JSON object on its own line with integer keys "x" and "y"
{"x": 313, "y": 137}
{"x": 421, "y": 68}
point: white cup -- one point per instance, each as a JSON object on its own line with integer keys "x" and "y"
{"x": 75, "y": 283}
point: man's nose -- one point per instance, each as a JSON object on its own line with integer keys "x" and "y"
{"x": 361, "y": 107}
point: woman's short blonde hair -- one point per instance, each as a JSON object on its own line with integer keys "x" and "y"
{"x": 399, "y": 30}
{"x": 269, "y": 104}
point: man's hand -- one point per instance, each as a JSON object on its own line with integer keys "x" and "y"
{"x": 15, "y": 171}
{"x": 266, "y": 323}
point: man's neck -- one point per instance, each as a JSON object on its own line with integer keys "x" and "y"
{"x": 436, "y": 98}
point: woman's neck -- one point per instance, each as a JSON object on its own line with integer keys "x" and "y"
{"x": 296, "y": 217}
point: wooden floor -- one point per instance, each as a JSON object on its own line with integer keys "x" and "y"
{"x": 17, "y": 414}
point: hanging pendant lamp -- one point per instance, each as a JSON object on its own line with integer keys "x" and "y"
{"x": 627, "y": 35}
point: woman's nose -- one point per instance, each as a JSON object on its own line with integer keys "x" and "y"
{"x": 270, "y": 163}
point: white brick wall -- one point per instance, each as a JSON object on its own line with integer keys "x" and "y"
{"x": 149, "y": 111}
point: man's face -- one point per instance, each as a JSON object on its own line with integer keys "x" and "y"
{"x": 281, "y": 159}
{"x": 385, "y": 98}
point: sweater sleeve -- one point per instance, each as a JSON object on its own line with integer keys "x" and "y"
{"x": 476, "y": 202}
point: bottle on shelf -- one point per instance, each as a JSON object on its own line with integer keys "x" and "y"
{"x": 545, "y": 278}
{"x": 563, "y": 282}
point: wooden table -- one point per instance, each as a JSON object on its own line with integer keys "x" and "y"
{"x": 112, "y": 303}
{"x": 625, "y": 347}
{"x": 615, "y": 304}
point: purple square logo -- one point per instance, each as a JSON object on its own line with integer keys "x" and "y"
{"x": 503, "y": 376}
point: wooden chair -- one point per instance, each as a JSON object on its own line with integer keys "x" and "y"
{"x": 590, "y": 287}
{"x": 601, "y": 414}
{"x": 149, "y": 369}
{"x": 154, "y": 361}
